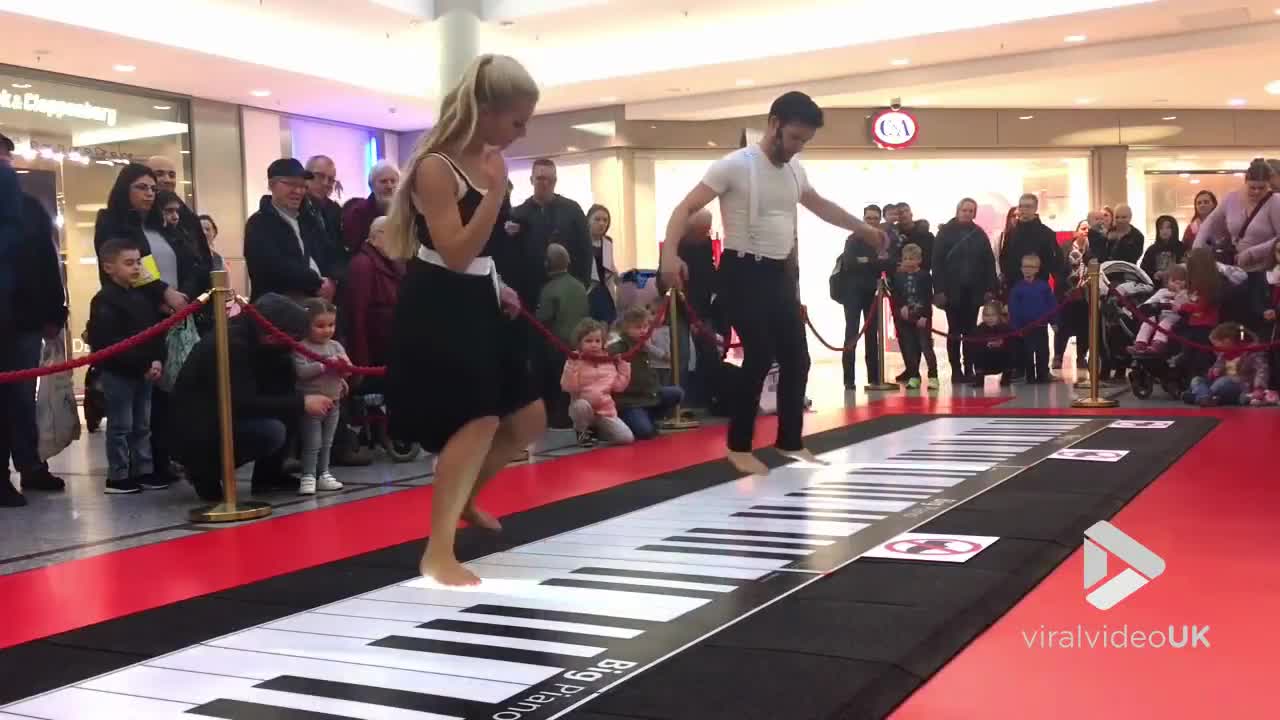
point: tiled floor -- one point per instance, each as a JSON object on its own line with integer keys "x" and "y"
{"x": 83, "y": 521}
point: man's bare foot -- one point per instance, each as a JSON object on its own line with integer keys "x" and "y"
{"x": 475, "y": 516}
{"x": 748, "y": 463}
{"x": 447, "y": 572}
{"x": 803, "y": 455}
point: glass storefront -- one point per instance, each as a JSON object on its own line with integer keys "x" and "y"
{"x": 72, "y": 138}
{"x": 1166, "y": 182}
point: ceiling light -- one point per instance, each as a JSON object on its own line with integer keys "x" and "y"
{"x": 744, "y": 82}
{"x": 22, "y": 172}
{"x": 1025, "y": 117}
{"x": 712, "y": 143}
{"x": 162, "y": 107}
{"x": 900, "y": 61}
{"x": 1236, "y": 102}
{"x": 185, "y": 152}
{"x": 124, "y": 68}
{"x": 108, "y": 163}
{"x": 1084, "y": 101}
{"x": 609, "y": 99}
{"x": 1169, "y": 117}
{"x": 260, "y": 93}
{"x": 1075, "y": 38}
{"x": 1272, "y": 88}
{"x": 22, "y": 86}
{"x": 1184, "y": 176}
{"x": 571, "y": 148}
{"x": 1195, "y": 181}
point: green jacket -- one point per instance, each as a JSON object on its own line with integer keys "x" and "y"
{"x": 562, "y": 305}
{"x": 643, "y": 390}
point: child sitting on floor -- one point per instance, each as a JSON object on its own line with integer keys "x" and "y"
{"x": 1167, "y": 300}
{"x": 645, "y": 399}
{"x": 991, "y": 346}
{"x": 591, "y": 385}
{"x": 1239, "y": 377}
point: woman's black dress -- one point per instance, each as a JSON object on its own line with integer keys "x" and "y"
{"x": 455, "y": 354}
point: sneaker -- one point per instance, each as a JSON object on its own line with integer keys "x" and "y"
{"x": 913, "y": 383}
{"x": 154, "y": 482}
{"x": 933, "y": 382}
{"x": 585, "y": 440}
{"x": 327, "y": 482}
{"x": 308, "y": 485}
{"x": 42, "y": 479}
{"x": 9, "y": 495}
{"x": 123, "y": 487}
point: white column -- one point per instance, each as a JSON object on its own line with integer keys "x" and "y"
{"x": 458, "y": 39}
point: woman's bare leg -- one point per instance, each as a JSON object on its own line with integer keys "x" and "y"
{"x": 457, "y": 467}
{"x": 515, "y": 432}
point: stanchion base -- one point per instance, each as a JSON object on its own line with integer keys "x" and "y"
{"x": 220, "y": 513}
{"x": 881, "y": 387}
{"x": 1100, "y": 403}
{"x": 681, "y": 424}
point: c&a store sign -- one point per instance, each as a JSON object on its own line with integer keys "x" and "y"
{"x": 894, "y": 129}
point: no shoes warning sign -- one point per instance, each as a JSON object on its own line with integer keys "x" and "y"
{"x": 932, "y": 548}
{"x": 1089, "y": 455}
{"x": 1141, "y": 424}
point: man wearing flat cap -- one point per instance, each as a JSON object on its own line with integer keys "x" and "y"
{"x": 265, "y": 401}
{"x": 284, "y": 248}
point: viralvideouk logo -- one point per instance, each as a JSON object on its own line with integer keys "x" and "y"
{"x": 1102, "y": 539}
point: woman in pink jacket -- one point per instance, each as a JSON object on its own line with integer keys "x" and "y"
{"x": 591, "y": 385}
{"x": 1243, "y": 229}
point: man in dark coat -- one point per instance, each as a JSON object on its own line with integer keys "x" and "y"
{"x": 358, "y": 214}
{"x": 326, "y": 214}
{"x": 1032, "y": 237}
{"x": 283, "y": 247}
{"x": 547, "y": 218}
{"x": 265, "y": 401}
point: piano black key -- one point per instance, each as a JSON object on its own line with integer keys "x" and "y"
{"x": 767, "y": 533}
{"x": 240, "y": 710}
{"x": 512, "y": 631}
{"x": 402, "y": 699}
{"x": 622, "y": 587}
{"x": 484, "y": 652}
{"x": 752, "y": 543}
{"x": 676, "y": 577}
{"x": 717, "y": 551}
{"x": 581, "y": 618}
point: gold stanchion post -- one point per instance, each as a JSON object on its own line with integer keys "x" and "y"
{"x": 1095, "y": 320}
{"x": 883, "y": 311}
{"x": 677, "y": 421}
{"x": 229, "y": 510}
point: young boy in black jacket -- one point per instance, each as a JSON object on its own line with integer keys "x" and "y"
{"x": 120, "y": 311}
{"x": 913, "y": 298}
{"x": 991, "y": 346}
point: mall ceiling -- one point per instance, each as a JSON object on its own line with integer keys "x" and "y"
{"x": 371, "y": 62}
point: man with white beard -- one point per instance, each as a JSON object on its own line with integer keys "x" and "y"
{"x": 359, "y": 214}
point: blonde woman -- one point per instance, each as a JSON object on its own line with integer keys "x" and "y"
{"x": 458, "y": 377}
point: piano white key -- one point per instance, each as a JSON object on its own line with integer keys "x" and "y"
{"x": 556, "y": 562}
{"x": 352, "y": 650}
{"x": 872, "y": 507}
{"x": 967, "y": 467}
{"x": 542, "y": 573}
{"x": 583, "y": 551}
{"x": 265, "y": 666}
{"x": 75, "y": 703}
{"x": 890, "y": 480}
{"x": 537, "y": 597}
{"x": 648, "y": 534}
{"x": 418, "y": 614}
{"x": 738, "y": 523}
{"x": 200, "y": 689}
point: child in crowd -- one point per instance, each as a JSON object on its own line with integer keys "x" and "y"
{"x": 1165, "y": 253}
{"x": 1167, "y": 300}
{"x": 315, "y": 378}
{"x": 913, "y": 295}
{"x": 117, "y": 312}
{"x": 1030, "y": 300}
{"x": 645, "y": 399}
{"x": 1205, "y": 293}
{"x": 1239, "y": 377}
{"x": 562, "y": 305}
{"x": 991, "y": 346}
{"x": 591, "y": 385}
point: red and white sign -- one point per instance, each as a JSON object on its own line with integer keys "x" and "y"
{"x": 932, "y": 548}
{"x": 894, "y": 129}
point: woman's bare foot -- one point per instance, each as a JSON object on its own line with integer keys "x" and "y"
{"x": 803, "y": 455}
{"x": 475, "y": 516}
{"x": 747, "y": 463}
{"x": 447, "y": 572}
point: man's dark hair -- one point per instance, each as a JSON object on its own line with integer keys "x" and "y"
{"x": 6, "y": 143}
{"x": 872, "y": 206}
{"x": 798, "y": 108}
{"x": 890, "y": 207}
{"x": 544, "y": 162}
{"x": 112, "y": 248}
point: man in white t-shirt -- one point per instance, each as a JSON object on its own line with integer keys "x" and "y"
{"x": 759, "y": 188}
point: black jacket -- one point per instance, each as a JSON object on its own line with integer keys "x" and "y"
{"x": 963, "y": 261}
{"x": 1161, "y": 256}
{"x": 263, "y": 385}
{"x": 912, "y": 290}
{"x": 276, "y": 263}
{"x": 560, "y": 222}
{"x": 1032, "y": 238}
{"x": 916, "y": 236}
{"x": 859, "y": 271}
{"x": 326, "y": 215}
{"x": 1127, "y": 248}
{"x": 118, "y": 313}
{"x": 38, "y": 293}
{"x": 106, "y": 227}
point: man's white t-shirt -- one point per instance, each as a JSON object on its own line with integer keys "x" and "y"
{"x": 770, "y": 230}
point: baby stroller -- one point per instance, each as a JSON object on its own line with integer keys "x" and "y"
{"x": 1120, "y": 329}
{"x": 370, "y": 420}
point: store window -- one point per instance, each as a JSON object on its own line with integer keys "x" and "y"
{"x": 1164, "y": 182}
{"x": 72, "y": 138}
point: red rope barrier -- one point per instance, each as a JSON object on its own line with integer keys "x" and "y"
{"x": 287, "y": 339}
{"x": 569, "y": 352}
{"x": 147, "y": 335}
{"x": 872, "y": 317}
{"x": 1147, "y": 320}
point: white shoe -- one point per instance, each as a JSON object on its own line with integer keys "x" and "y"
{"x": 327, "y": 482}
{"x": 308, "y": 485}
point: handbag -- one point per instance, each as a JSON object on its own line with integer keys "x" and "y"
{"x": 57, "y": 417}
{"x": 179, "y": 343}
